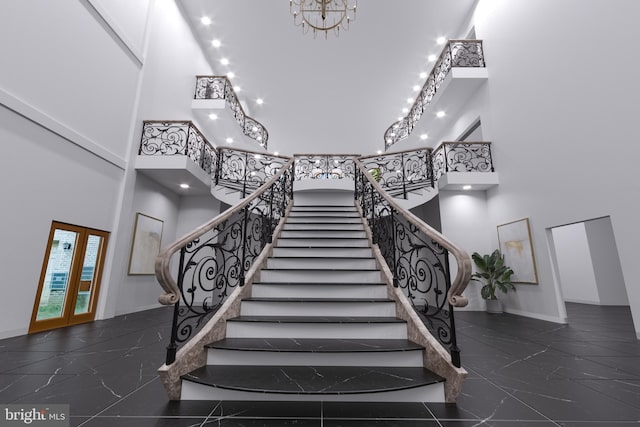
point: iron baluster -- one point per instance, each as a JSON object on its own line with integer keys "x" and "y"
{"x": 244, "y": 180}
{"x": 373, "y": 216}
{"x": 394, "y": 250}
{"x": 271, "y": 225}
{"x": 430, "y": 172}
{"x": 453, "y": 348}
{"x": 404, "y": 176}
{"x": 172, "y": 348}
{"x": 245, "y": 215}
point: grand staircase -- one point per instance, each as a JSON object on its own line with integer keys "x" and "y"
{"x": 318, "y": 324}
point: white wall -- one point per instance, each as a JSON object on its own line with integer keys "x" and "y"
{"x": 606, "y": 262}
{"x": 575, "y": 269}
{"x": 561, "y": 127}
{"x": 464, "y": 221}
{"x": 172, "y": 60}
{"x": 44, "y": 178}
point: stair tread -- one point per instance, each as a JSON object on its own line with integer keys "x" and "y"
{"x": 315, "y": 345}
{"x": 316, "y": 319}
{"x": 331, "y": 300}
{"x": 313, "y": 379}
{"x": 320, "y": 283}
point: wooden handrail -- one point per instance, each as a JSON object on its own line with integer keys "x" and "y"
{"x": 391, "y": 153}
{"x": 172, "y": 292}
{"x": 459, "y": 284}
{"x": 264, "y": 153}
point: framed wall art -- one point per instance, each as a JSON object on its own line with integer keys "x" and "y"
{"x": 145, "y": 245}
{"x": 514, "y": 239}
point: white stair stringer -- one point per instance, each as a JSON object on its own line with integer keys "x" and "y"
{"x": 320, "y": 304}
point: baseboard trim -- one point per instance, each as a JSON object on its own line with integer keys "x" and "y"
{"x": 554, "y": 319}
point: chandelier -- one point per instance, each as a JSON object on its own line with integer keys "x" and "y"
{"x": 323, "y": 15}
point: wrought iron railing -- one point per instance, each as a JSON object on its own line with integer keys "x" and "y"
{"x": 324, "y": 166}
{"x": 244, "y": 170}
{"x": 418, "y": 258}
{"x": 177, "y": 137}
{"x": 219, "y": 87}
{"x": 462, "y": 157}
{"x": 401, "y": 172}
{"x": 456, "y": 53}
{"x": 214, "y": 258}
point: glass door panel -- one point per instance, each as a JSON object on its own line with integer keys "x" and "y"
{"x": 56, "y": 281}
{"x": 87, "y": 275}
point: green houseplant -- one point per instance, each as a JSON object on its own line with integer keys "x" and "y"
{"x": 495, "y": 275}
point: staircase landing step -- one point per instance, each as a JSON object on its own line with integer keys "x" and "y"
{"x": 311, "y": 380}
{"x": 315, "y": 319}
{"x": 306, "y": 345}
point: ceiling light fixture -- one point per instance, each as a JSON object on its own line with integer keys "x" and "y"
{"x": 466, "y": 187}
{"x": 205, "y": 20}
{"x": 237, "y": 88}
{"x": 424, "y": 136}
{"x": 224, "y": 61}
{"x": 216, "y": 43}
{"x": 184, "y": 186}
{"x": 423, "y": 75}
{"x": 231, "y": 74}
{"x": 441, "y": 40}
{"x": 405, "y": 110}
{"x": 259, "y": 101}
{"x": 416, "y": 88}
{"x": 440, "y": 114}
{"x": 213, "y": 116}
{"x": 323, "y": 15}
{"x": 229, "y": 140}
{"x": 431, "y": 58}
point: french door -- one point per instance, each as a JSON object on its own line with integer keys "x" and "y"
{"x": 70, "y": 277}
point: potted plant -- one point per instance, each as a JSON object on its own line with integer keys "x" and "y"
{"x": 495, "y": 275}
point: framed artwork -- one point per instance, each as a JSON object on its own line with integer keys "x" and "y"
{"x": 514, "y": 239}
{"x": 145, "y": 245}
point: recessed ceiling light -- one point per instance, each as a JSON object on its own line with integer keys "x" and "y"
{"x": 213, "y": 116}
{"x": 260, "y": 139}
{"x": 440, "y": 114}
{"x": 405, "y": 110}
{"x": 396, "y": 126}
{"x": 224, "y": 61}
{"x": 441, "y": 40}
{"x": 400, "y": 118}
{"x": 275, "y": 153}
{"x": 432, "y": 58}
{"x": 423, "y": 75}
{"x": 254, "y": 129}
{"x": 236, "y": 88}
{"x": 205, "y": 20}
{"x": 389, "y": 140}
{"x": 184, "y": 185}
{"x": 216, "y": 43}
{"x": 424, "y": 136}
{"x": 409, "y": 100}
{"x": 466, "y": 187}
{"x": 379, "y": 151}
{"x": 231, "y": 74}
{"x": 416, "y": 88}
{"x": 229, "y": 140}
{"x": 257, "y": 156}
{"x": 391, "y": 134}
{"x": 259, "y": 101}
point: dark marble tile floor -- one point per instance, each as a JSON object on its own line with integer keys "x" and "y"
{"x": 522, "y": 372}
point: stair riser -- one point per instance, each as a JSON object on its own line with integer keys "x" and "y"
{"x": 332, "y": 219}
{"x": 322, "y": 263}
{"x": 316, "y": 330}
{"x": 337, "y": 208}
{"x": 322, "y": 252}
{"x": 320, "y": 276}
{"x": 412, "y": 358}
{"x": 431, "y": 393}
{"x": 304, "y": 214}
{"x": 345, "y": 243}
{"x": 309, "y": 308}
{"x": 333, "y": 226}
{"x": 318, "y": 291}
{"x": 324, "y": 234}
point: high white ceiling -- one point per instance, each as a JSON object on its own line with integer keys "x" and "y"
{"x": 334, "y": 95}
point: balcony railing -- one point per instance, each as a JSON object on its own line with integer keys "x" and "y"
{"x": 177, "y": 138}
{"x": 219, "y": 87}
{"x": 244, "y": 170}
{"x": 324, "y": 166}
{"x": 456, "y": 53}
{"x": 401, "y": 172}
{"x": 462, "y": 157}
